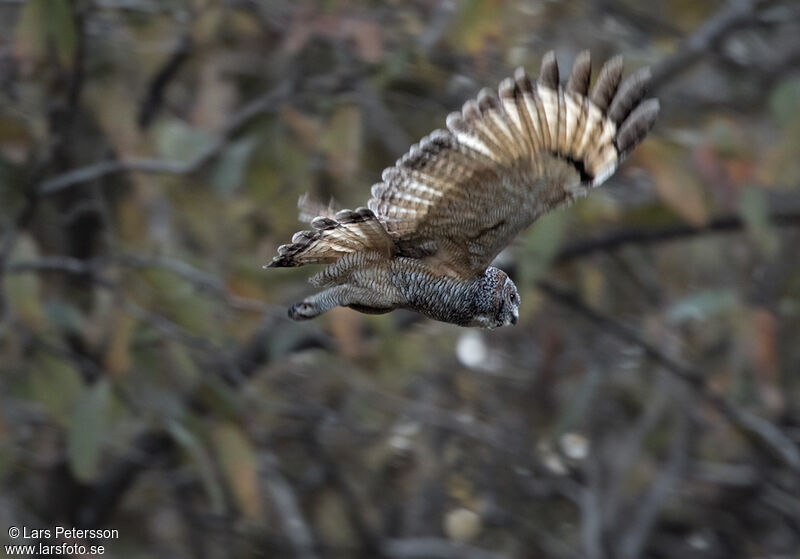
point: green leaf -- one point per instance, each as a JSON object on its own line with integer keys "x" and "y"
{"x": 700, "y": 306}
{"x": 201, "y": 459}
{"x": 342, "y": 142}
{"x": 754, "y": 209}
{"x": 56, "y": 384}
{"x": 177, "y": 141}
{"x": 579, "y": 403}
{"x": 784, "y": 101}
{"x": 539, "y": 246}
{"x": 187, "y": 372}
{"x": 88, "y": 429}
{"x": 43, "y": 22}
{"x": 232, "y": 166}
{"x": 64, "y": 315}
{"x": 477, "y": 21}
{"x": 177, "y": 300}
{"x": 23, "y": 291}
{"x": 7, "y": 461}
{"x": 219, "y": 396}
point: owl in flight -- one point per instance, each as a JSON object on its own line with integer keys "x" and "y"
{"x": 442, "y": 213}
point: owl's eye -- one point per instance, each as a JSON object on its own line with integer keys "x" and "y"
{"x": 514, "y": 299}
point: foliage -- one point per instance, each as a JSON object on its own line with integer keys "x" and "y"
{"x": 151, "y": 157}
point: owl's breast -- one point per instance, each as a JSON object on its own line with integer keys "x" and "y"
{"x": 437, "y": 295}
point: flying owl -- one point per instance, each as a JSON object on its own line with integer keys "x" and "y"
{"x": 442, "y": 213}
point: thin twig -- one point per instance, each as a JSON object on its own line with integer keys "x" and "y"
{"x": 100, "y": 499}
{"x": 200, "y": 279}
{"x": 466, "y": 426}
{"x": 380, "y": 119}
{"x": 636, "y": 531}
{"x": 591, "y": 507}
{"x": 157, "y": 321}
{"x": 285, "y": 503}
{"x": 269, "y": 102}
{"x": 65, "y": 264}
{"x": 648, "y": 235}
{"x": 735, "y": 15}
{"x": 62, "y": 128}
{"x": 170, "y": 328}
{"x": 356, "y": 511}
{"x": 155, "y": 92}
{"x": 762, "y": 432}
{"x": 630, "y": 450}
{"x": 438, "y": 23}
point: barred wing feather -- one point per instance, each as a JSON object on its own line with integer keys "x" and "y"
{"x": 462, "y": 194}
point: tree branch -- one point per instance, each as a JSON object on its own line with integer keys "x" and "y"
{"x": 761, "y": 432}
{"x": 636, "y": 531}
{"x": 285, "y": 503}
{"x": 613, "y": 240}
{"x": 267, "y": 103}
{"x": 155, "y": 92}
{"x": 735, "y": 15}
{"x": 103, "y": 495}
{"x": 201, "y": 280}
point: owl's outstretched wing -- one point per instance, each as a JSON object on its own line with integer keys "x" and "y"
{"x": 462, "y": 194}
{"x": 334, "y": 236}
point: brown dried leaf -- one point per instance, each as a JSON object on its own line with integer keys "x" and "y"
{"x": 342, "y": 142}
{"x": 238, "y": 459}
{"x": 118, "y": 356}
{"x": 478, "y": 21}
{"x": 307, "y": 128}
{"x": 676, "y": 187}
{"x": 367, "y": 38}
{"x": 763, "y": 351}
{"x": 346, "y": 328}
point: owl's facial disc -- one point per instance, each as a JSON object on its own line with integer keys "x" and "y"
{"x": 509, "y": 306}
{"x": 497, "y": 301}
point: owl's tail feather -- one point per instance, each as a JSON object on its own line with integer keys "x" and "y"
{"x": 347, "y": 232}
{"x": 594, "y": 130}
{"x": 308, "y": 209}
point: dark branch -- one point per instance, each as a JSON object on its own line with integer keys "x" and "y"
{"x": 734, "y": 16}
{"x": 155, "y": 93}
{"x": 761, "y": 432}
{"x": 267, "y": 103}
{"x": 102, "y": 497}
{"x": 285, "y": 503}
{"x": 613, "y": 240}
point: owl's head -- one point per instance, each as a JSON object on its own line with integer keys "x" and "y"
{"x": 498, "y": 300}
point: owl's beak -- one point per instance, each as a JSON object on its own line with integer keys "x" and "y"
{"x": 513, "y": 319}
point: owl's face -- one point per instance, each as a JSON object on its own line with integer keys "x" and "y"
{"x": 499, "y": 301}
{"x": 508, "y": 312}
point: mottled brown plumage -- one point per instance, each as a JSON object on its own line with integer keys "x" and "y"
{"x": 446, "y": 208}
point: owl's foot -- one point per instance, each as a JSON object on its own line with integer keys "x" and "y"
{"x": 303, "y": 310}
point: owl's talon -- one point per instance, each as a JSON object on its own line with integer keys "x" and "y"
{"x": 302, "y": 311}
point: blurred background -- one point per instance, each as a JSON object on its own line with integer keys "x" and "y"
{"x": 151, "y": 157}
